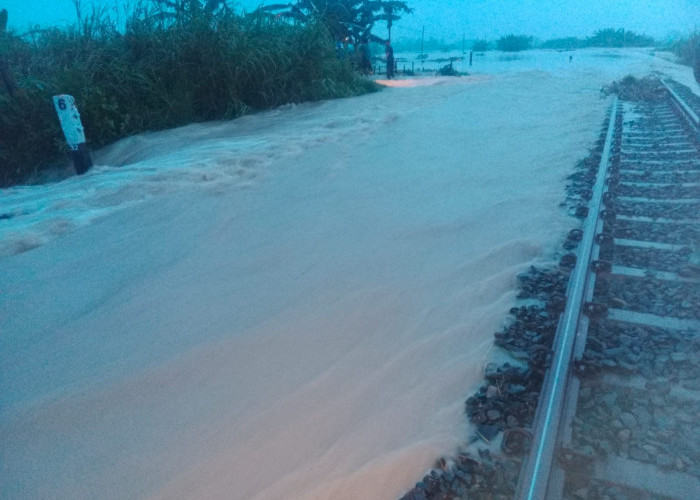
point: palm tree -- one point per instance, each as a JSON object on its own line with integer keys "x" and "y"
{"x": 350, "y": 20}
{"x": 182, "y": 10}
{"x": 391, "y": 10}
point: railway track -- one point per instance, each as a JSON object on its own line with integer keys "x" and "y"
{"x": 620, "y": 402}
{"x": 601, "y": 398}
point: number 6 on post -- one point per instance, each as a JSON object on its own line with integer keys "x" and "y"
{"x": 73, "y": 130}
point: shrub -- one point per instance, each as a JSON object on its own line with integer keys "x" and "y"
{"x": 481, "y": 46}
{"x": 513, "y": 43}
{"x": 688, "y": 50}
{"x": 618, "y": 38}
{"x": 161, "y": 71}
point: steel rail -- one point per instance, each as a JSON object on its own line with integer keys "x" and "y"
{"x": 535, "y": 476}
{"x": 690, "y": 115}
{"x": 532, "y": 484}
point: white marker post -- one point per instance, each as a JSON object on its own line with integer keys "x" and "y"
{"x": 73, "y": 130}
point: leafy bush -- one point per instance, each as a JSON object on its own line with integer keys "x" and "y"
{"x": 611, "y": 37}
{"x": 514, "y": 43}
{"x": 688, "y": 52}
{"x": 167, "y": 68}
{"x": 481, "y": 46}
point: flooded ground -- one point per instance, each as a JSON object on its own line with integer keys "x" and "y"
{"x": 294, "y": 304}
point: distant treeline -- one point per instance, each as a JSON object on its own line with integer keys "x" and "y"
{"x": 164, "y": 67}
{"x": 603, "y": 38}
{"x": 511, "y": 43}
{"x": 687, "y": 49}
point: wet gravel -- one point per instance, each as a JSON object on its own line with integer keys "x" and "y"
{"x": 647, "y": 425}
{"x": 658, "y": 209}
{"x": 673, "y": 192}
{"x": 647, "y": 351}
{"x": 639, "y": 398}
{"x": 598, "y": 490}
{"x": 676, "y": 234}
{"x": 634, "y": 172}
{"x": 649, "y": 295}
{"x": 677, "y": 261}
{"x": 690, "y": 98}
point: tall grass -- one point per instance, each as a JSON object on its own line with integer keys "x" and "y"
{"x": 159, "y": 71}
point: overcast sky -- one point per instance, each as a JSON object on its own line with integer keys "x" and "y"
{"x": 450, "y": 19}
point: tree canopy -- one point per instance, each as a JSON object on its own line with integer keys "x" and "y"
{"x": 186, "y": 10}
{"x": 351, "y": 20}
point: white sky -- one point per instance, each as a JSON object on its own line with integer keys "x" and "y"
{"x": 450, "y": 19}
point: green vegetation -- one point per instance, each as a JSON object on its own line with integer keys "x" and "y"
{"x": 514, "y": 43}
{"x": 481, "y": 46}
{"x": 174, "y": 62}
{"x": 618, "y": 38}
{"x": 688, "y": 52}
{"x": 685, "y": 49}
{"x": 609, "y": 37}
{"x": 347, "y": 20}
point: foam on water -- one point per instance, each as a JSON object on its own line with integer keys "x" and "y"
{"x": 226, "y": 155}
